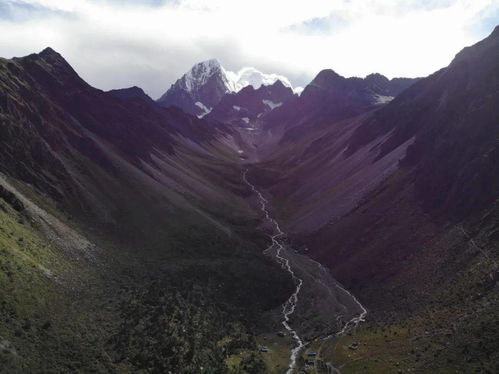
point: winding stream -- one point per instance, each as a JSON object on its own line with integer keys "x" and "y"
{"x": 289, "y": 306}
{"x": 320, "y": 276}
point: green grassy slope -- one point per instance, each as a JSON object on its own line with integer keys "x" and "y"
{"x": 190, "y": 303}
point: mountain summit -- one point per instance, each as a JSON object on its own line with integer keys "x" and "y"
{"x": 198, "y": 90}
{"x": 204, "y": 85}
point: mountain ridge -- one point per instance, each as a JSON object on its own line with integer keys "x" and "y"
{"x": 248, "y": 105}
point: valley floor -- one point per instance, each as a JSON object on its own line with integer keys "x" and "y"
{"x": 320, "y": 309}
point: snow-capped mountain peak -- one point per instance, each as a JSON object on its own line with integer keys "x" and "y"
{"x": 203, "y": 86}
{"x": 198, "y": 90}
{"x": 200, "y": 73}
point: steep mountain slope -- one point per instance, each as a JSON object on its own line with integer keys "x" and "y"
{"x": 250, "y": 104}
{"x": 452, "y": 165}
{"x": 452, "y": 115}
{"x": 401, "y": 204}
{"x": 110, "y": 202}
{"x": 67, "y": 115}
{"x": 331, "y": 97}
{"x": 328, "y": 99}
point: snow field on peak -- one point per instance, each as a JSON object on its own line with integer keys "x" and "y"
{"x": 199, "y": 74}
{"x": 271, "y": 104}
{"x": 204, "y": 108}
{"x": 249, "y": 76}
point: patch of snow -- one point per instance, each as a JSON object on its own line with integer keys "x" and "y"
{"x": 246, "y": 120}
{"x": 238, "y": 108}
{"x": 271, "y": 104}
{"x": 380, "y": 99}
{"x": 240, "y": 151}
{"x": 204, "y": 108}
{"x": 298, "y": 90}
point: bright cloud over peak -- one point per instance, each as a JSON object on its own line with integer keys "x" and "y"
{"x": 151, "y": 43}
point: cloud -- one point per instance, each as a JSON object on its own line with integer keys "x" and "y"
{"x": 151, "y": 43}
{"x": 327, "y": 25}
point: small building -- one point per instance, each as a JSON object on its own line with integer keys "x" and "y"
{"x": 353, "y": 346}
{"x": 264, "y": 349}
{"x": 309, "y": 362}
{"x": 312, "y": 354}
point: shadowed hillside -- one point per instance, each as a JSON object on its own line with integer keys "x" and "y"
{"x": 126, "y": 244}
{"x": 401, "y": 203}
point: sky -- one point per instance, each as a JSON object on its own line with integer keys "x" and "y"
{"x": 151, "y": 43}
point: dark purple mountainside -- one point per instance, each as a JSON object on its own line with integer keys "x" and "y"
{"x": 199, "y": 90}
{"x": 121, "y": 223}
{"x": 453, "y": 117}
{"x": 250, "y": 104}
{"x": 56, "y": 113}
{"x": 130, "y": 93}
{"x": 401, "y": 202}
{"x": 331, "y": 97}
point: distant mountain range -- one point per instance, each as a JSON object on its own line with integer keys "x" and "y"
{"x": 202, "y": 87}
